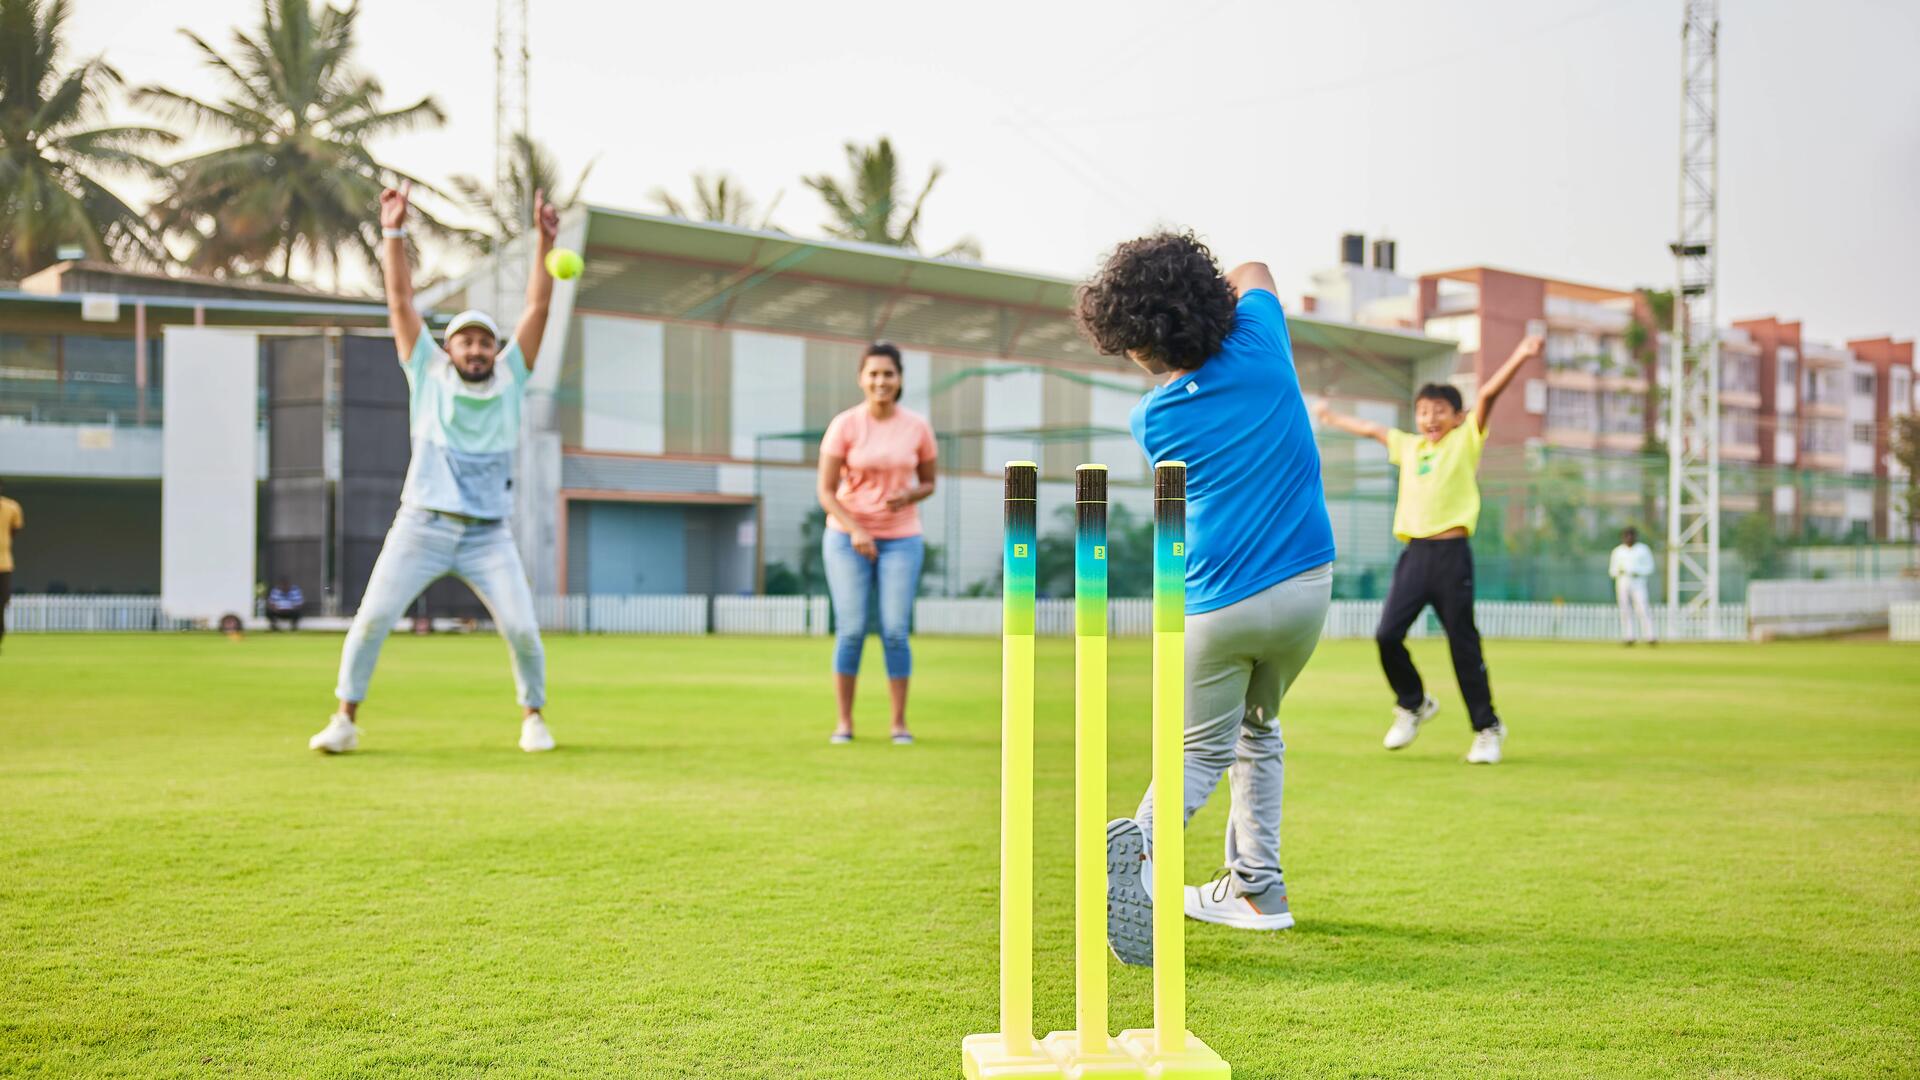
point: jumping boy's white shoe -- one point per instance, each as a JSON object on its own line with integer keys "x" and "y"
{"x": 338, "y": 737}
{"x": 534, "y": 736}
{"x": 1406, "y": 723}
{"x": 1486, "y": 745}
{"x": 1216, "y": 902}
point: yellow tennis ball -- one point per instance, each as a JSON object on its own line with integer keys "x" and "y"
{"x": 564, "y": 264}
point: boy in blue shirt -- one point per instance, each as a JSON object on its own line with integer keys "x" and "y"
{"x": 1259, "y": 553}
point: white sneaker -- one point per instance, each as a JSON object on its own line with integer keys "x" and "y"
{"x": 534, "y": 736}
{"x": 1486, "y": 745}
{"x": 1216, "y": 902}
{"x": 1406, "y": 723}
{"x": 338, "y": 737}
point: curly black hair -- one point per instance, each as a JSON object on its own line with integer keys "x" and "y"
{"x": 1162, "y": 297}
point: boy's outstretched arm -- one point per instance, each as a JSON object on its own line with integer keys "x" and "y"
{"x": 1249, "y": 276}
{"x": 1352, "y": 425}
{"x": 1528, "y": 348}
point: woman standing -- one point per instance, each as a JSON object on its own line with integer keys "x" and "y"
{"x": 876, "y": 463}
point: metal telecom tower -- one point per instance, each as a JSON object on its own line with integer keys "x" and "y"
{"x": 1693, "y": 371}
{"x": 510, "y": 62}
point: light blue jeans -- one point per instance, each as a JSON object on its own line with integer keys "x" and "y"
{"x": 421, "y": 548}
{"x": 852, "y": 578}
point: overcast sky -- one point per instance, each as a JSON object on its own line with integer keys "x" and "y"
{"x": 1539, "y": 135}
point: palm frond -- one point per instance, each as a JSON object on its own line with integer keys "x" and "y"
{"x": 235, "y": 119}
{"x": 423, "y": 113}
{"x": 910, "y": 228}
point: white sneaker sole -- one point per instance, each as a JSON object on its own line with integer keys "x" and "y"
{"x": 537, "y": 747}
{"x": 1251, "y": 920}
{"x": 1129, "y": 907}
{"x": 328, "y": 748}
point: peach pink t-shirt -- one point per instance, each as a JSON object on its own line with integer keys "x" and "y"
{"x": 883, "y": 458}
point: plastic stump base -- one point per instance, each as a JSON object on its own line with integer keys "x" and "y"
{"x": 985, "y": 1057}
{"x": 1134, "y": 1054}
{"x": 1111, "y": 1062}
{"x": 1196, "y": 1061}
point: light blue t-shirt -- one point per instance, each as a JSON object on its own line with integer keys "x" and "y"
{"x": 464, "y": 434}
{"x": 1256, "y": 512}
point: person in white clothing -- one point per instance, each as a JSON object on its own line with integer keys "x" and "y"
{"x": 464, "y": 405}
{"x": 1630, "y": 567}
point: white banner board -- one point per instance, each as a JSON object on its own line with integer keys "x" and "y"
{"x": 208, "y": 495}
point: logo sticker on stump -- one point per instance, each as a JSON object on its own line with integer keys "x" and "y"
{"x": 1179, "y": 548}
{"x": 1019, "y": 551}
{"x": 1099, "y": 552}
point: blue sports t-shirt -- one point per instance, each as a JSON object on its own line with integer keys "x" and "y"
{"x": 1256, "y": 513}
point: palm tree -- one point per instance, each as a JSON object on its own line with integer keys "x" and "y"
{"x": 717, "y": 197}
{"x": 51, "y": 156}
{"x": 865, "y": 206}
{"x": 298, "y": 177}
{"x": 506, "y": 213}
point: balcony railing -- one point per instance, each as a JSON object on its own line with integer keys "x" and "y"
{"x": 45, "y": 401}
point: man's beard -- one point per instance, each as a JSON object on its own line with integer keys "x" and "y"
{"x": 468, "y": 376}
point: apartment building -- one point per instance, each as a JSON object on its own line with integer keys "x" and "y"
{"x": 1804, "y": 424}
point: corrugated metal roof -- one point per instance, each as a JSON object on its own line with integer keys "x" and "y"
{"x": 671, "y": 268}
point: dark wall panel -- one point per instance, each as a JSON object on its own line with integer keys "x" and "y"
{"x": 375, "y": 446}
{"x": 295, "y": 505}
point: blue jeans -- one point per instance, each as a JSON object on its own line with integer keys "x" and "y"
{"x": 421, "y": 548}
{"x": 851, "y": 578}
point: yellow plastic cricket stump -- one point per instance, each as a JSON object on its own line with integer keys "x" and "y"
{"x": 1166, "y": 1051}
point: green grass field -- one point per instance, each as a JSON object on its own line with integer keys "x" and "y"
{"x": 1699, "y": 861}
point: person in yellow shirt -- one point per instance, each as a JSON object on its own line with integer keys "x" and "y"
{"x": 1438, "y": 506}
{"x": 11, "y": 521}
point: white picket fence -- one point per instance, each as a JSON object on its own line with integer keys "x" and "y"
{"x": 1903, "y": 621}
{"x": 980, "y": 616}
{"x": 1345, "y": 619}
{"x": 1803, "y": 608}
{"x": 1538, "y": 621}
{"x": 39, "y": 614}
{"x": 798, "y": 616}
{"x": 622, "y": 614}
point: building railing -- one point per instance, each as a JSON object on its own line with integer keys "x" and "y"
{"x": 100, "y": 405}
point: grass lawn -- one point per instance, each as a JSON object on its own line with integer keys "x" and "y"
{"x": 1697, "y": 861}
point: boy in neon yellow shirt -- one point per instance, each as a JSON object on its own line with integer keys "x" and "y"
{"x": 1438, "y": 506}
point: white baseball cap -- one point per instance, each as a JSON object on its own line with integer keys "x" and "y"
{"x": 472, "y": 317}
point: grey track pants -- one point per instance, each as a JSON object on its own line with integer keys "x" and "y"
{"x": 1241, "y": 660}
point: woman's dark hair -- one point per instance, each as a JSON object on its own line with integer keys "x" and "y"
{"x": 1441, "y": 392}
{"x": 892, "y": 352}
{"x": 1161, "y": 297}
